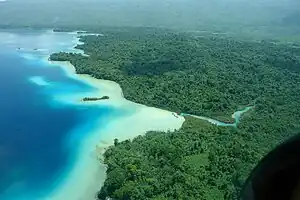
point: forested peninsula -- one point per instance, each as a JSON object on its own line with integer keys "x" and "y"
{"x": 200, "y": 75}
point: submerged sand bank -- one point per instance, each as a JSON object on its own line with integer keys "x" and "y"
{"x": 102, "y": 87}
{"x": 88, "y": 174}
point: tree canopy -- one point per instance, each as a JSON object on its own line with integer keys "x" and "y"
{"x": 207, "y": 76}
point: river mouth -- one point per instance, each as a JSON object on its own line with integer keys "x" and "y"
{"x": 50, "y": 141}
{"x": 236, "y": 116}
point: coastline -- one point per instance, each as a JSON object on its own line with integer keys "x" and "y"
{"x": 140, "y": 120}
{"x": 102, "y": 87}
{"x": 86, "y": 173}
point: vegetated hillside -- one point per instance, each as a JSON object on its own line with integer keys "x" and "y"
{"x": 237, "y": 16}
{"x": 208, "y": 76}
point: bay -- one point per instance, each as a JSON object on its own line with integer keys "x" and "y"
{"x": 39, "y": 135}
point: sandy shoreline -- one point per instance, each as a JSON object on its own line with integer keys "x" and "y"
{"x": 102, "y": 87}
{"x": 88, "y": 175}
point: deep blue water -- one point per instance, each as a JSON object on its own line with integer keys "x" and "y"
{"x": 38, "y": 135}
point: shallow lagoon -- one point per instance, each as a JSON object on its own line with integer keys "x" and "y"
{"x": 49, "y": 139}
{"x": 39, "y": 135}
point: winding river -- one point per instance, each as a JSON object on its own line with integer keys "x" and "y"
{"x": 236, "y": 116}
{"x": 47, "y": 141}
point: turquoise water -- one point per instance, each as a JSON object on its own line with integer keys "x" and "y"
{"x": 40, "y": 136}
{"x": 237, "y": 117}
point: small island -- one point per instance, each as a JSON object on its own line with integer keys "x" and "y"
{"x": 95, "y": 98}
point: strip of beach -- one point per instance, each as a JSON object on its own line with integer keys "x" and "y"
{"x": 88, "y": 174}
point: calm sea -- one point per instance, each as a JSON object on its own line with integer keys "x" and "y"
{"x": 39, "y": 136}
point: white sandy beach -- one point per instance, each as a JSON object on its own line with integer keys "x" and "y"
{"x": 88, "y": 175}
{"x": 103, "y": 88}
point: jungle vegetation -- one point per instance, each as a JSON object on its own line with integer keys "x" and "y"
{"x": 210, "y": 76}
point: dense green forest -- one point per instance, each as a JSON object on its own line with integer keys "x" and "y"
{"x": 207, "y": 76}
{"x": 195, "y": 162}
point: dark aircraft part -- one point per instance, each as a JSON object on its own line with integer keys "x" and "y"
{"x": 277, "y": 175}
